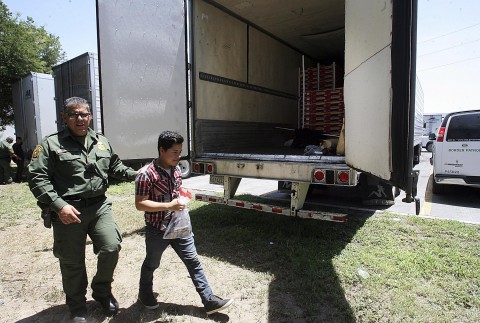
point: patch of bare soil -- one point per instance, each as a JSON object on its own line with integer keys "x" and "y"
{"x": 31, "y": 289}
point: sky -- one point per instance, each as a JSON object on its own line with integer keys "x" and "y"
{"x": 448, "y": 47}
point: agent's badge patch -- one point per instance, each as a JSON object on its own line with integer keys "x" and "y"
{"x": 36, "y": 151}
{"x": 101, "y": 146}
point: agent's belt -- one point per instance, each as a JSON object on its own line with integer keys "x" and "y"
{"x": 83, "y": 202}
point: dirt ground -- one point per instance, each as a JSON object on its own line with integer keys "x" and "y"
{"x": 31, "y": 289}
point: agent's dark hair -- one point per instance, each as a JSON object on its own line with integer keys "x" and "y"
{"x": 74, "y": 102}
{"x": 168, "y": 138}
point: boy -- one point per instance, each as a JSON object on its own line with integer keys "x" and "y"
{"x": 157, "y": 188}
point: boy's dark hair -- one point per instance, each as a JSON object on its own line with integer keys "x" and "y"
{"x": 168, "y": 138}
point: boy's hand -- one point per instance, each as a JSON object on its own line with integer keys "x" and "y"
{"x": 177, "y": 205}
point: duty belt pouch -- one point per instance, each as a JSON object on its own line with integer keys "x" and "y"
{"x": 47, "y": 218}
{"x": 46, "y": 214}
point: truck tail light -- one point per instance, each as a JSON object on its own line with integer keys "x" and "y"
{"x": 441, "y": 134}
{"x": 343, "y": 177}
{"x": 209, "y": 168}
{"x": 201, "y": 168}
{"x": 319, "y": 175}
{"x": 197, "y": 168}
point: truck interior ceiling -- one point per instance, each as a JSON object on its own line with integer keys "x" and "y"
{"x": 268, "y": 77}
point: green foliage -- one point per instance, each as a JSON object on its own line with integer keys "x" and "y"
{"x": 24, "y": 48}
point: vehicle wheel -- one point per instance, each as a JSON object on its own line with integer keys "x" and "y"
{"x": 185, "y": 168}
{"x": 437, "y": 188}
{"x": 429, "y": 146}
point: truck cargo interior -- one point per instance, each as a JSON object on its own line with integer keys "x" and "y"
{"x": 268, "y": 78}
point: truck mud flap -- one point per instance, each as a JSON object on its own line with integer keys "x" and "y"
{"x": 375, "y": 191}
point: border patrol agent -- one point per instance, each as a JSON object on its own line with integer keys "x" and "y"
{"x": 6, "y": 154}
{"x": 69, "y": 175}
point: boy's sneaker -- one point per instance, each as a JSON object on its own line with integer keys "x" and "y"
{"x": 215, "y": 304}
{"x": 148, "y": 300}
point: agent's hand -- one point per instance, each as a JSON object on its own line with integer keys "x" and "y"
{"x": 177, "y": 205}
{"x": 68, "y": 214}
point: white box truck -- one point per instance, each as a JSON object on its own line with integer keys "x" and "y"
{"x": 78, "y": 77}
{"x": 34, "y": 109}
{"x": 230, "y": 75}
{"x": 431, "y": 124}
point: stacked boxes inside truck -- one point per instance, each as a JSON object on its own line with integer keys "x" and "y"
{"x": 321, "y": 92}
{"x": 79, "y": 77}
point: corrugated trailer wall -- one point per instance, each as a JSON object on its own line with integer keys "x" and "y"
{"x": 79, "y": 77}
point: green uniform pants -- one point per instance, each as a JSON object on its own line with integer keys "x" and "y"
{"x": 69, "y": 247}
{"x": 5, "y": 170}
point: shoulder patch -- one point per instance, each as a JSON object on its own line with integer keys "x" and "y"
{"x": 36, "y": 151}
{"x": 101, "y": 146}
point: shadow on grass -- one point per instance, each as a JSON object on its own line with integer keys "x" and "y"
{"x": 298, "y": 252}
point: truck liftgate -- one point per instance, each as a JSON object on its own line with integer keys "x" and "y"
{"x": 298, "y": 194}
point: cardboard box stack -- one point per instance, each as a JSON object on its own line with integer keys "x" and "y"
{"x": 323, "y": 107}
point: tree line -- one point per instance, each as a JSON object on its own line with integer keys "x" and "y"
{"x": 24, "y": 48}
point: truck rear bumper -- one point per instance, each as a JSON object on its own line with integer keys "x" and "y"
{"x": 334, "y": 174}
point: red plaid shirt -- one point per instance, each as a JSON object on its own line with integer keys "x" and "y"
{"x": 160, "y": 186}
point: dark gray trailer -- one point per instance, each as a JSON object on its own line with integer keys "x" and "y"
{"x": 78, "y": 77}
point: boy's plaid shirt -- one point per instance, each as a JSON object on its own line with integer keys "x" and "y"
{"x": 155, "y": 182}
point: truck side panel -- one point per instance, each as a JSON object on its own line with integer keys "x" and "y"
{"x": 143, "y": 73}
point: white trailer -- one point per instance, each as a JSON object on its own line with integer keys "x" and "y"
{"x": 431, "y": 124}
{"x": 78, "y": 77}
{"x": 34, "y": 109}
{"x": 225, "y": 74}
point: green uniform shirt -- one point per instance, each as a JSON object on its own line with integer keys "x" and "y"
{"x": 63, "y": 167}
{"x": 5, "y": 149}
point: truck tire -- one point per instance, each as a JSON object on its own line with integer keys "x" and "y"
{"x": 185, "y": 167}
{"x": 429, "y": 146}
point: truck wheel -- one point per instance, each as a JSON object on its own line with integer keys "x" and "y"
{"x": 429, "y": 146}
{"x": 185, "y": 168}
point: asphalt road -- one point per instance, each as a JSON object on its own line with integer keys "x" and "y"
{"x": 458, "y": 203}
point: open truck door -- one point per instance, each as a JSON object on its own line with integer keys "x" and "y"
{"x": 143, "y": 76}
{"x": 380, "y": 49}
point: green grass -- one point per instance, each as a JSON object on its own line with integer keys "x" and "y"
{"x": 16, "y": 204}
{"x": 420, "y": 270}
